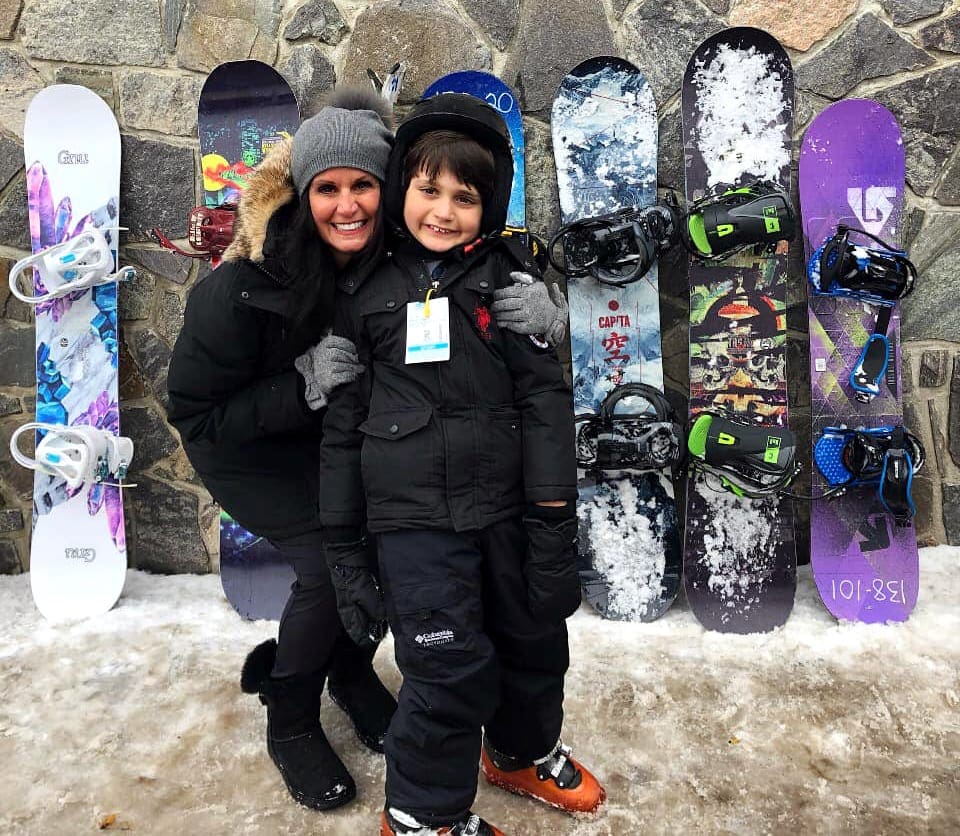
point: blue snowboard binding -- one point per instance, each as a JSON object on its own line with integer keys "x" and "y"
{"x": 878, "y": 276}
{"x": 885, "y": 458}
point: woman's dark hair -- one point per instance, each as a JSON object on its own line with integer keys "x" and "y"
{"x": 310, "y": 266}
{"x": 465, "y": 158}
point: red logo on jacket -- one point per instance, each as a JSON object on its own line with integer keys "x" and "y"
{"x": 482, "y": 315}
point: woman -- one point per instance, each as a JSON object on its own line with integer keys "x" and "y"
{"x": 248, "y": 382}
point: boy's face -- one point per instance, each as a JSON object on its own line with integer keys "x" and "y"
{"x": 442, "y": 213}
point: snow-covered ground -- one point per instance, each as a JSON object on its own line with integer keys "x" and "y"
{"x": 817, "y": 727}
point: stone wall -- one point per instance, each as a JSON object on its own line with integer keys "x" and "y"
{"x": 148, "y": 60}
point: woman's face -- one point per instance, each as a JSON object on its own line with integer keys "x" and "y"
{"x": 344, "y": 204}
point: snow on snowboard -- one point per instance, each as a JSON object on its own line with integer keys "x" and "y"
{"x": 739, "y": 558}
{"x": 852, "y": 173}
{"x": 78, "y": 559}
{"x": 604, "y": 125}
{"x": 245, "y": 108}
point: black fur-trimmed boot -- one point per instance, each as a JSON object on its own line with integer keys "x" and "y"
{"x": 353, "y": 685}
{"x": 313, "y": 773}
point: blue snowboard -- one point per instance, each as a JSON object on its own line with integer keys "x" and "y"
{"x": 501, "y": 98}
{"x": 604, "y": 124}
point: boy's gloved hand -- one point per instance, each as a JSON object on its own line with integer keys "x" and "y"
{"x": 326, "y": 365}
{"x": 530, "y": 306}
{"x": 553, "y": 585}
{"x": 359, "y": 600}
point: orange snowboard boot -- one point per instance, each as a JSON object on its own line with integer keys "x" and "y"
{"x": 557, "y": 779}
{"x": 397, "y": 823}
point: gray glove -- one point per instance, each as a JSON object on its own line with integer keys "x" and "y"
{"x": 531, "y": 307}
{"x": 328, "y": 364}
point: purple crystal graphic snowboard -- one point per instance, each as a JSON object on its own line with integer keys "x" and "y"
{"x": 739, "y": 560}
{"x": 852, "y": 172}
{"x": 604, "y": 124}
{"x": 71, "y": 145}
{"x": 245, "y": 108}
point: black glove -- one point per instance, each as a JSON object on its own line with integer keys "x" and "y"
{"x": 359, "y": 600}
{"x": 553, "y": 585}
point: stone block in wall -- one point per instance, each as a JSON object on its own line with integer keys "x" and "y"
{"x": 16, "y": 478}
{"x": 925, "y": 522}
{"x": 938, "y": 435}
{"x": 911, "y": 226}
{"x": 168, "y": 537}
{"x": 136, "y": 295}
{"x": 948, "y": 190}
{"x": 17, "y": 355}
{"x": 99, "y": 81}
{"x": 953, "y": 414}
{"x": 101, "y": 32}
{"x": 14, "y": 220}
{"x": 543, "y": 203}
{"x": 152, "y": 357}
{"x": 310, "y": 75}
{"x": 10, "y": 306}
{"x": 319, "y": 19}
{"x": 130, "y": 384}
{"x": 932, "y": 313}
{"x": 943, "y": 35}
{"x": 934, "y": 366}
{"x": 152, "y": 436}
{"x": 928, "y": 109}
{"x": 11, "y": 519}
{"x": 169, "y": 319}
{"x": 497, "y": 18}
{"x": 907, "y": 11}
{"x": 10, "y": 405}
{"x": 163, "y": 103}
{"x": 214, "y": 31}
{"x": 18, "y": 83}
{"x": 9, "y": 559}
{"x": 867, "y": 49}
{"x": 552, "y": 39}
{"x": 160, "y": 264}
{"x": 670, "y": 165}
{"x": 797, "y": 24}
{"x": 11, "y": 160}
{"x": 9, "y": 13}
{"x": 660, "y": 37}
{"x": 951, "y": 514}
{"x": 156, "y": 187}
{"x": 430, "y": 38}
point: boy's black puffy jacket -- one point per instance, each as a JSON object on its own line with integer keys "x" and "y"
{"x": 455, "y": 445}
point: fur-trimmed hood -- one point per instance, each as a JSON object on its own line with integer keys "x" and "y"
{"x": 270, "y": 187}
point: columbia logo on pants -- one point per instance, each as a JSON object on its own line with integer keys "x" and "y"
{"x": 434, "y": 639}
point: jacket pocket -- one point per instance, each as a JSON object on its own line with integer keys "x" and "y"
{"x": 501, "y": 459}
{"x": 401, "y": 462}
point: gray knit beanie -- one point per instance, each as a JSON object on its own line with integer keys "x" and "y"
{"x": 352, "y": 131}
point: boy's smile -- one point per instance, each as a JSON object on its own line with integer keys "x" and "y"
{"x": 442, "y": 213}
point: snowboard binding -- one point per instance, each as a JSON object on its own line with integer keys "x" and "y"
{"x": 880, "y": 276}
{"x": 651, "y": 440}
{"x": 79, "y": 263}
{"x": 209, "y": 232}
{"x": 619, "y": 248}
{"x": 78, "y": 454}
{"x": 757, "y": 216}
{"x": 877, "y": 276}
{"x": 750, "y": 460}
{"x": 885, "y": 458}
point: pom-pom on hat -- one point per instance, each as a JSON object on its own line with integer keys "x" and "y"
{"x": 353, "y": 130}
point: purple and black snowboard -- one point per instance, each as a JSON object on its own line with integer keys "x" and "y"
{"x": 739, "y": 558}
{"x": 245, "y": 108}
{"x": 852, "y": 172}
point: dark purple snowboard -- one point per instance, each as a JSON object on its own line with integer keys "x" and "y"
{"x": 852, "y": 172}
{"x": 739, "y": 558}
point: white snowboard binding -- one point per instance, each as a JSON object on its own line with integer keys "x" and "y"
{"x": 78, "y": 454}
{"x": 84, "y": 261}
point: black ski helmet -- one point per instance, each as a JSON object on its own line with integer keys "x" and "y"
{"x": 467, "y": 115}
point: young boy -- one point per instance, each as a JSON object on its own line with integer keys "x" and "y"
{"x": 461, "y": 435}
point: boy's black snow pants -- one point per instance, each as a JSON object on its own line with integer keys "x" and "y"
{"x": 471, "y": 656}
{"x": 311, "y": 637}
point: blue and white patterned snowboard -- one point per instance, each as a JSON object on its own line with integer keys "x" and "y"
{"x": 501, "y": 98}
{"x": 604, "y": 124}
{"x": 71, "y": 145}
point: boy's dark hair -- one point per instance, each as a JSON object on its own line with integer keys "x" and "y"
{"x": 465, "y": 158}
